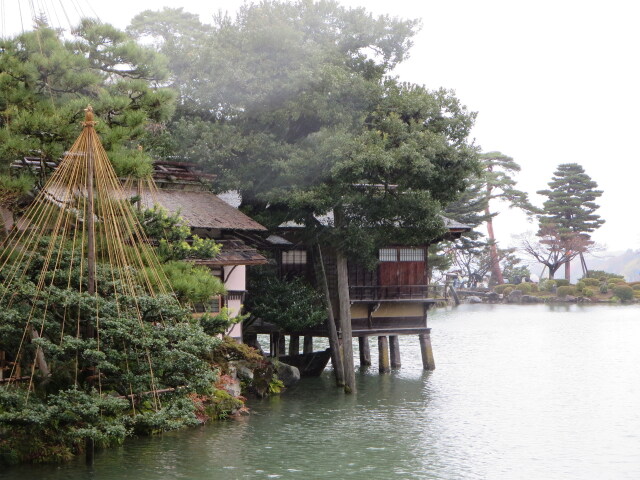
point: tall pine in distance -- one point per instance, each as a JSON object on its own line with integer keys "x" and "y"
{"x": 570, "y": 206}
{"x": 495, "y": 181}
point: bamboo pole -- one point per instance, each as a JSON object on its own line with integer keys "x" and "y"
{"x": 91, "y": 228}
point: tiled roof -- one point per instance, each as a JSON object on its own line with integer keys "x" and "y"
{"x": 327, "y": 220}
{"x": 200, "y": 209}
{"x": 454, "y": 225}
{"x": 234, "y": 252}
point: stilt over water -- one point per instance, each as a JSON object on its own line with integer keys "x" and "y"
{"x": 383, "y": 352}
{"x": 365, "y": 353}
{"x": 294, "y": 344}
{"x": 308, "y": 344}
{"x": 394, "y": 349}
{"x": 428, "y": 363}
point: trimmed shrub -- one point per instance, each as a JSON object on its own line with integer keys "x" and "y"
{"x": 604, "y": 288}
{"x": 580, "y": 286}
{"x": 636, "y": 286}
{"x": 623, "y": 292}
{"x": 563, "y": 282}
{"x": 565, "y": 290}
{"x": 524, "y": 288}
{"x": 591, "y": 282}
{"x": 617, "y": 281}
{"x": 501, "y": 288}
{"x": 547, "y": 285}
{"x": 602, "y": 276}
{"x": 588, "y": 292}
{"x": 507, "y": 290}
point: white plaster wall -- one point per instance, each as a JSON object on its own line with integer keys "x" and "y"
{"x": 236, "y": 280}
{"x": 236, "y": 277}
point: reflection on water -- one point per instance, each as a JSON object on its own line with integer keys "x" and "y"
{"x": 532, "y": 392}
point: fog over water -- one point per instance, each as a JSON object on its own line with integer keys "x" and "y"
{"x": 552, "y": 82}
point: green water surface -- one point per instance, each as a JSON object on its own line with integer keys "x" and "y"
{"x": 531, "y": 392}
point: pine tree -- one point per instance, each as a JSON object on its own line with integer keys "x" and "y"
{"x": 570, "y": 206}
{"x": 493, "y": 182}
{"x": 499, "y": 171}
{"x": 47, "y": 81}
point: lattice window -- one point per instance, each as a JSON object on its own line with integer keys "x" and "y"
{"x": 412, "y": 255}
{"x": 388, "y": 255}
{"x": 294, "y": 257}
{"x": 212, "y": 306}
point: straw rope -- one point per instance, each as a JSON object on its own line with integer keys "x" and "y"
{"x": 63, "y": 212}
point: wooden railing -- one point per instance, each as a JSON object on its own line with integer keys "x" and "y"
{"x": 396, "y": 292}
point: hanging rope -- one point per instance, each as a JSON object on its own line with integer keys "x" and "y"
{"x": 84, "y": 211}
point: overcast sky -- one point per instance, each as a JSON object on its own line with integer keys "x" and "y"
{"x": 552, "y": 82}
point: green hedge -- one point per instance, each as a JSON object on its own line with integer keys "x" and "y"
{"x": 623, "y": 292}
{"x": 565, "y": 290}
{"x": 547, "y": 285}
{"x": 590, "y": 282}
{"x": 524, "y": 288}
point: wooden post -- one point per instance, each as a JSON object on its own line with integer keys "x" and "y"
{"x": 40, "y": 360}
{"x": 394, "y": 349}
{"x": 274, "y": 339}
{"x": 454, "y": 294}
{"x": 307, "y": 346}
{"x": 365, "y": 353}
{"x": 89, "y": 446}
{"x": 282, "y": 346}
{"x": 334, "y": 343}
{"x": 294, "y": 344}
{"x": 345, "y": 323}
{"x": 428, "y": 363}
{"x": 383, "y": 355}
{"x": 251, "y": 339}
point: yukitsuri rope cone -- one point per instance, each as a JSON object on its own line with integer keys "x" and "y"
{"x": 79, "y": 222}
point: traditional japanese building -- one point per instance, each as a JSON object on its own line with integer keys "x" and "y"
{"x": 389, "y": 300}
{"x": 183, "y": 189}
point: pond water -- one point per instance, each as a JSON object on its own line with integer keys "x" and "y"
{"x": 532, "y": 392}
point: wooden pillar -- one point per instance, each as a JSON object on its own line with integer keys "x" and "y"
{"x": 334, "y": 341}
{"x": 383, "y": 355}
{"x": 307, "y": 347}
{"x": 394, "y": 349}
{"x": 282, "y": 345}
{"x": 428, "y": 363}
{"x": 345, "y": 319}
{"x": 365, "y": 353}
{"x": 276, "y": 347}
{"x": 294, "y": 344}
{"x": 89, "y": 446}
{"x": 251, "y": 339}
